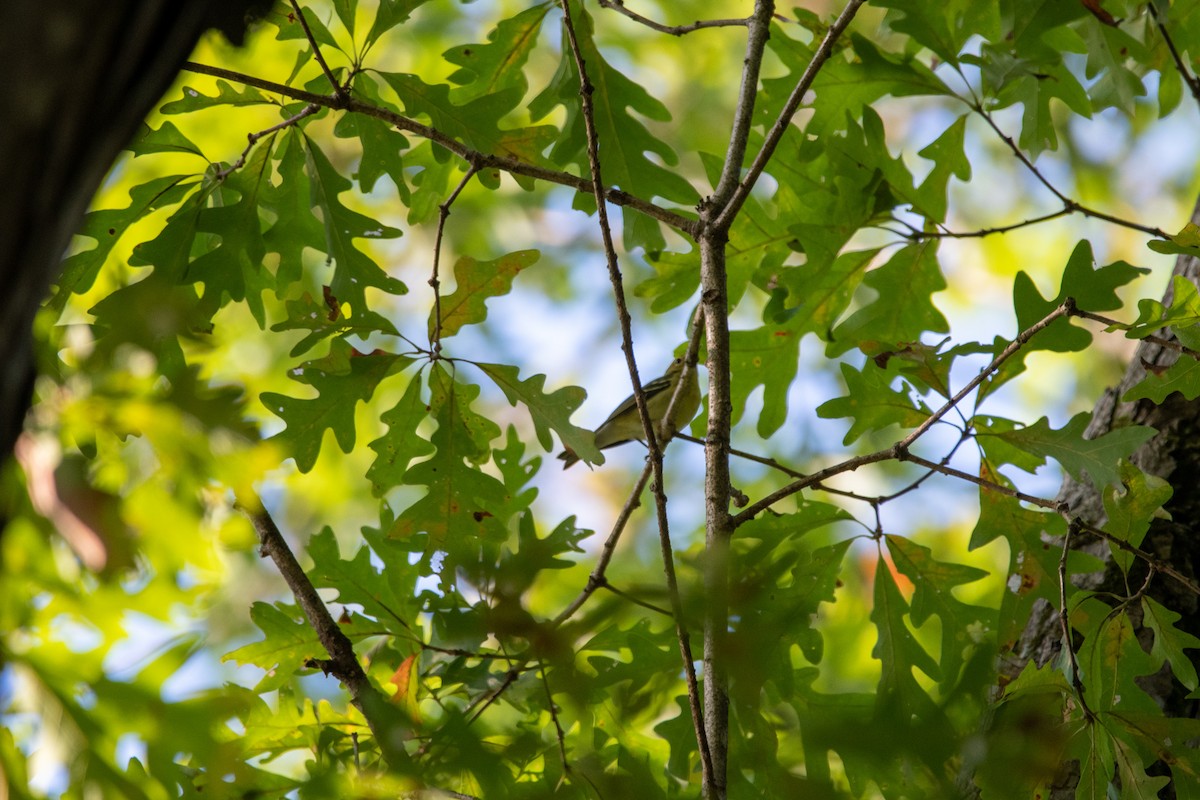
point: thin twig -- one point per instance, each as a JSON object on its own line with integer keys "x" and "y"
{"x": 811, "y": 480}
{"x": 1064, "y": 309}
{"x": 511, "y": 165}
{"x": 596, "y": 579}
{"x": 338, "y": 89}
{"x": 992, "y": 486}
{"x": 1156, "y": 563}
{"x": 637, "y": 601}
{"x": 673, "y": 30}
{"x": 1065, "y": 623}
{"x": 1069, "y": 205}
{"x": 1161, "y": 341}
{"x": 1193, "y": 83}
{"x": 558, "y": 730}
{"x": 915, "y": 234}
{"x": 253, "y": 138}
{"x": 648, "y": 425}
{"x": 775, "y": 135}
{"x": 931, "y": 469}
{"x": 435, "y": 330}
{"x": 781, "y": 467}
{"x": 899, "y": 451}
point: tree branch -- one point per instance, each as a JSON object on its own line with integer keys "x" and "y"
{"x": 775, "y": 135}
{"x": 1192, "y": 82}
{"x": 435, "y": 331}
{"x": 508, "y": 164}
{"x": 900, "y": 449}
{"x": 1069, "y": 206}
{"x": 338, "y": 89}
{"x": 648, "y": 424}
{"x": 343, "y": 663}
{"x": 673, "y": 30}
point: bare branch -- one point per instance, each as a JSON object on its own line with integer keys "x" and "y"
{"x": 1161, "y": 341}
{"x": 1193, "y": 83}
{"x": 338, "y": 89}
{"x": 916, "y": 234}
{"x": 596, "y": 579}
{"x": 900, "y": 449}
{"x": 1064, "y": 620}
{"x": 253, "y": 138}
{"x": 1069, "y": 206}
{"x": 775, "y": 135}
{"x": 435, "y": 332}
{"x": 343, "y": 663}
{"x": 1064, "y": 309}
{"x": 673, "y": 30}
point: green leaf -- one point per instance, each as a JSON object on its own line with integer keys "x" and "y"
{"x": 1085, "y": 459}
{"x": 345, "y": 10}
{"x": 287, "y": 643}
{"x": 343, "y": 378}
{"x": 358, "y": 582}
{"x": 625, "y": 141}
{"x": 549, "y": 412}
{"x": 534, "y": 554}
{"x": 1182, "y": 314}
{"x": 1109, "y": 52}
{"x": 1132, "y": 507}
{"x": 1184, "y": 243}
{"x": 767, "y": 357}
{"x": 1032, "y": 562}
{"x": 459, "y": 511}
{"x": 474, "y": 283}
{"x": 933, "y": 595}
{"x": 194, "y": 100}
{"x": 474, "y": 123}
{"x": 382, "y": 145}
{"x": 295, "y": 228}
{"x": 949, "y": 157}
{"x": 903, "y": 309}
{"x": 283, "y": 17}
{"x": 234, "y": 269}
{"x": 1093, "y": 290}
{"x": 354, "y": 271}
{"x": 324, "y": 320}
{"x": 1183, "y": 376}
{"x": 822, "y": 295}
{"x": 944, "y": 27}
{"x": 899, "y": 653}
{"x": 872, "y": 403}
{"x": 106, "y": 226}
{"x": 499, "y": 64}
{"x": 1111, "y": 658}
{"x": 401, "y": 445}
{"x": 844, "y": 87}
{"x": 389, "y": 14}
{"x": 1170, "y": 641}
{"x": 165, "y": 139}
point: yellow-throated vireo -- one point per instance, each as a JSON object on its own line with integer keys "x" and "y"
{"x": 624, "y": 424}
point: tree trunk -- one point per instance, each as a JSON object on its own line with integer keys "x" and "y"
{"x": 79, "y": 77}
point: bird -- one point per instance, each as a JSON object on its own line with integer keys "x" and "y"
{"x": 624, "y": 424}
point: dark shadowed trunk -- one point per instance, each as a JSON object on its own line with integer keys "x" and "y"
{"x": 79, "y": 76}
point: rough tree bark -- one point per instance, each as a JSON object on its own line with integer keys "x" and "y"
{"x": 79, "y": 76}
{"x": 1174, "y": 455}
